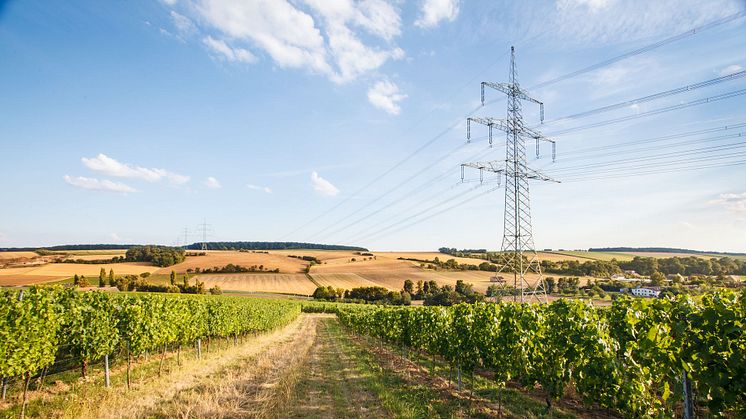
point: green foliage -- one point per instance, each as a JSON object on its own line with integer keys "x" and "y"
{"x": 94, "y": 324}
{"x": 157, "y": 255}
{"x": 629, "y": 357}
{"x": 29, "y": 330}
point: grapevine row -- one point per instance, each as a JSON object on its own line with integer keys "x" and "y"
{"x": 633, "y": 357}
{"x": 36, "y": 323}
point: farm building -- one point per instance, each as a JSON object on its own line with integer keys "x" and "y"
{"x": 645, "y": 292}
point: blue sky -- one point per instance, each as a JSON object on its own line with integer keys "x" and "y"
{"x": 125, "y": 122}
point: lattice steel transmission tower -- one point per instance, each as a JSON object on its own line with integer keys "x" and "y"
{"x": 517, "y": 254}
{"x": 204, "y": 228}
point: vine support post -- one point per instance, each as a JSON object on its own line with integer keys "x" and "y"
{"x": 5, "y": 386}
{"x": 107, "y": 378}
{"x": 199, "y": 348}
{"x": 129, "y": 368}
{"x": 160, "y": 365}
{"x": 25, "y": 393}
{"x": 458, "y": 373}
{"x": 688, "y": 399}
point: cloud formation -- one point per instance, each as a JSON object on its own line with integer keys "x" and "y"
{"x": 294, "y": 38}
{"x": 212, "y": 183}
{"x": 735, "y": 202}
{"x": 583, "y": 22}
{"x": 386, "y": 95}
{"x": 226, "y": 52}
{"x": 735, "y": 68}
{"x": 111, "y": 167}
{"x": 265, "y": 189}
{"x": 98, "y": 184}
{"x": 432, "y": 12}
{"x": 323, "y": 186}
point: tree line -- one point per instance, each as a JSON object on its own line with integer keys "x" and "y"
{"x": 272, "y": 246}
{"x": 157, "y": 255}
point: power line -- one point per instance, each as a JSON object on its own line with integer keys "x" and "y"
{"x": 652, "y": 112}
{"x": 408, "y": 195}
{"x": 646, "y": 48}
{"x": 660, "y": 95}
{"x": 643, "y": 149}
{"x": 421, "y": 212}
{"x": 655, "y": 172}
{"x": 656, "y": 139}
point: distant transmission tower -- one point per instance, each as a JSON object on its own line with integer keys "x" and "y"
{"x": 186, "y": 237}
{"x": 204, "y": 228}
{"x": 517, "y": 254}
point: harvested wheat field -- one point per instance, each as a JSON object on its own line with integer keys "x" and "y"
{"x": 17, "y": 255}
{"x": 65, "y": 270}
{"x": 343, "y": 280}
{"x": 221, "y": 258}
{"x": 428, "y": 256}
{"x": 325, "y": 256}
{"x": 273, "y": 283}
{"x": 96, "y": 256}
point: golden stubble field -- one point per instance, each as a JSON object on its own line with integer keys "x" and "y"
{"x": 220, "y": 258}
{"x": 336, "y": 269}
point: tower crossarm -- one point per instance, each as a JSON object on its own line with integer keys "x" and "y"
{"x": 490, "y": 166}
{"x": 491, "y": 123}
{"x": 513, "y": 89}
{"x": 528, "y": 132}
{"x": 533, "y": 174}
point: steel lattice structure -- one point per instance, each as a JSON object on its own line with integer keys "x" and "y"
{"x": 518, "y": 253}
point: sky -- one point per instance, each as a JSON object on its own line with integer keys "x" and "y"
{"x": 342, "y": 121}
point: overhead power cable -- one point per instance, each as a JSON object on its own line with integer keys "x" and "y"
{"x": 656, "y": 96}
{"x": 646, "y": 48}
{"x": 702, "y": 101}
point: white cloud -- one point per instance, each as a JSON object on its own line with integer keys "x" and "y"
{"x": 265, "y": 189}
{"x": 228, "y": 53}
{"x": 735, "y": 68}
{"x": 435, "y": 11}
{"x": 293, "y": 38}
{"x": 386, "y": 95}
{"x": 4, "y": 238}
{"x": 115, "y": 237}
{"x": 323, "y": 186}
{"x": 183, "y": 24}
{"x": 591, "y": 5}
{"x": 212, "y": 183}
{"x": 111, "y": 167}
{"x": 735, "y": 202}
{"x": 98, "y": 184}
{"x": 597, "y": 22}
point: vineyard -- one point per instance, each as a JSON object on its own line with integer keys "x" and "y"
{"x": 637, "y": 357}
{"x": 41, "y": 325}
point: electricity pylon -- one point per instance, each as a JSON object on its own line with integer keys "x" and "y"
{"x": 204, "y": 228}
{"x": 518, "y": 253}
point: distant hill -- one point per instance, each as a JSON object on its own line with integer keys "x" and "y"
{"x": 70, "y": 247}
{"x": 661, "y": 250}
{"x": 272, "y": 246}
{"x": 196, "y": 246}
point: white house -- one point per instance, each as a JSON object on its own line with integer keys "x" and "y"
{"x": 645, "y": 292}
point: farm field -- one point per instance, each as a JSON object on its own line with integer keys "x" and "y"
{"x": 17, "y": 255}
{"x": 682, "y": 255}
{"x": 583, "y": 256}
{"x": 221, "y": 258}
{"x": 310, "y": 368}
{"x": 56, "y": 271}
{"x": 258, "y": 282}
{"x": 342, "y": 280}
